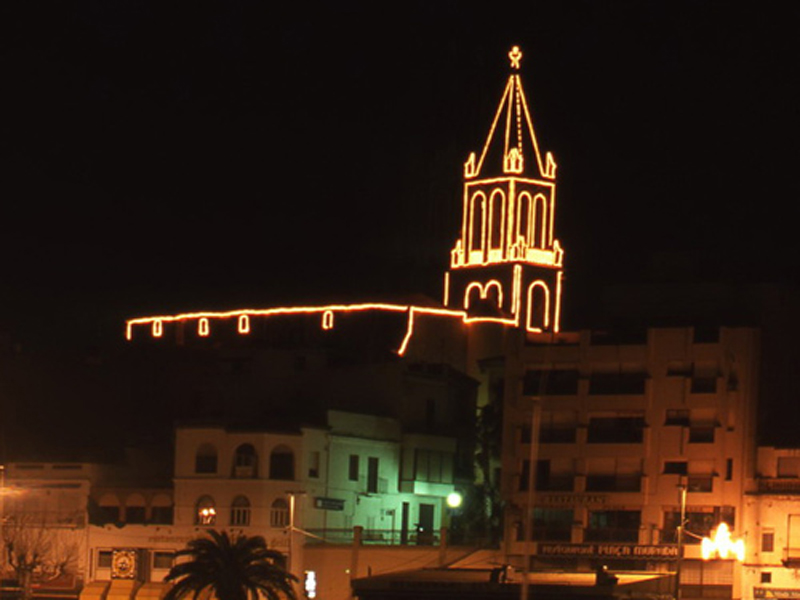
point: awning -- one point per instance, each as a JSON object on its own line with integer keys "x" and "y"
{"x": 152, "y": 591}
{"x": 96, "y": 590}
{"x": 121, "y": 589}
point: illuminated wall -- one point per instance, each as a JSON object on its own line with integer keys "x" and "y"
{"x": 507, "y": 265}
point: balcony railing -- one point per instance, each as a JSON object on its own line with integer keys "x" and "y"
{"x": 554, "y": 483}
{"x": 545, "y": 533}
{"x": 700, "y": 483}
{"x": 611, "y": 534}
{"x": 387, "y": 537}
{"x": 781, "y": 486}
{"x": 613, "y": 483}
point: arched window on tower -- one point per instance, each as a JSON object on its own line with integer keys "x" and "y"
{"x": 493, "y": 294}
{"x": 497, "y": 203}
{"x": 538, "y": 307}
{"x": 245, "y": 462}
{"x": 477, "y": 218}
{"x": 524, "y": 218}
{"x": 281, "y": 463}
{"x": 539, "y": 221}
{"x": 240, "y": 511}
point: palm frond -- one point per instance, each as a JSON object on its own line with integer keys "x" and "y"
{"x": 238, "y": 568}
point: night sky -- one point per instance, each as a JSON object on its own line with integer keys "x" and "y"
{"x": 163, "y": 157}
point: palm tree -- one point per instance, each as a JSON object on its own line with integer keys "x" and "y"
{"x": 238, "y": 568}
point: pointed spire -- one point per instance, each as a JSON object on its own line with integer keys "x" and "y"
{"x": 511, "y": 147}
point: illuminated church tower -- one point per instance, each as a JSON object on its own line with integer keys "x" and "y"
{"x": 507, "y": 267}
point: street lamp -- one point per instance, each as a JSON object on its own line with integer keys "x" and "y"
{"x": 454, "y": 500}
{"x": 681, "y": 523}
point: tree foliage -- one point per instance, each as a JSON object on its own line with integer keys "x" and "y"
{"x": 233, "y": 568}
{"x": 37, "y": 551}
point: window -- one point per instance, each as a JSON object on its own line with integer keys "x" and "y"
{"x": 245, "y": 462}
{"x": 135, "y": 511}
{"x": 433, "y": 466}
{"x": 729, "y": 469}
{"x": 677, "y": 416}
{"x": 551, "y": 525}
{"x": 558, "y": 427}
{"x": 205, "y": 512}
{"x": 161, "y": 510}
{"x": 372, "y": 475}
{"x": 677, "y": 467}
{"x": 352, "y": 468}
{"x": 704, "y": 385}
{"x": 104, "y": 559}
{"x": 281, "y": 463}
{"x": 163, "y": 560}
{"x": 788, "y": 466}
{"x": 766, "y": 577}
{"x": 279, "y": 513}
{"x": 240, "y": 511}
{"x": 699, "y": 522}
{"x": 555, "y": 475}
{"x": 525, "y": 434}
{"x": 135, "y": 514}
{"x": 313, "y": 464}
{"x": 556, "y": 382}
{"x": 768, "y": 541}
{"x": 616, "y": 430}
{"x": 700, "y": 483}
{"x": 621, "y": 384}
{"x": 161, "y": 515}
{"x": 205, "y": 460}
{"x": 613, "y": 474}
{"x": 701, "y": 434}
{"x": 107, "y": 512}
{"x": 613, "y": 526}
{"x": 524, "y": 475}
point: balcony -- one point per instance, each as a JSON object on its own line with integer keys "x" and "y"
{"x": 556, "y": 483}
{"x": 614, "y": 483}
{"x": 547, "y": 533}
{"x": 374, "y": 537}
{"x": 791, "y": 558}
{"x": 700, "y": 483}
{"x": 779, "y": 486}
{"x": 611, "y": 534}
{"x": 558, "y": 435}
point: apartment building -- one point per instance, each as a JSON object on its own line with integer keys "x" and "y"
{"x": 603, "y": 430}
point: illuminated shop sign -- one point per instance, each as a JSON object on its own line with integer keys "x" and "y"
{"x": 329, "y": 503}
{"x": 609, "y": 551}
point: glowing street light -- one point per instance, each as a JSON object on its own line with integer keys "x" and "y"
{"x": 722, "y": 545}
{"x": 454, "y": 499}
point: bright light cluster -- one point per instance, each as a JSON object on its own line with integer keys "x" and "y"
{"x": 326, "y": 313}
{"x": 722, "y": 545}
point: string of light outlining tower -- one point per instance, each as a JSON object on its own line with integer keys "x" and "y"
{"x": 506, "y": 267}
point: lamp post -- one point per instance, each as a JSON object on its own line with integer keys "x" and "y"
{"x": 681, "y": 523}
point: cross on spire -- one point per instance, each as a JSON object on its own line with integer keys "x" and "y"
{"x": 515, "y": 55}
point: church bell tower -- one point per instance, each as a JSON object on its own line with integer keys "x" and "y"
{"x": 507, "y": 267}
